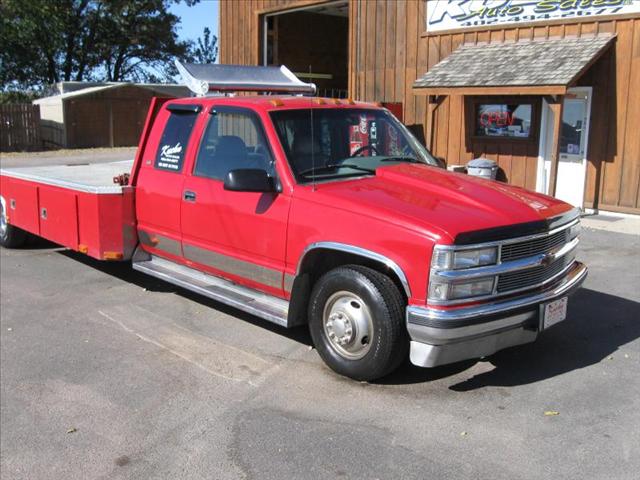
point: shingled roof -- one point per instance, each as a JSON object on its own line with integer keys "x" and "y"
{"x": 531, "y": 63}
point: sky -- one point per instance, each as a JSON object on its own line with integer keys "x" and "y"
{"x": 194, "y": 19}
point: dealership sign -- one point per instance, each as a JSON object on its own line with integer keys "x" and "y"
{"x": 460, "y": 14}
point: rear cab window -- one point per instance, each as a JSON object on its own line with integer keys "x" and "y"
{"x": 175, "y": 137}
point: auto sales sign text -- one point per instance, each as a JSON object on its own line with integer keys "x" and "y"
{"x": 462, "y": 14}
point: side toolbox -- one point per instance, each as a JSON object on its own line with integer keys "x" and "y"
{"x": 97, "y": 224}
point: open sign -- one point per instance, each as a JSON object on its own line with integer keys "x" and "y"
{"x": 503, "y": 120}
{"x": 496, "y": 119}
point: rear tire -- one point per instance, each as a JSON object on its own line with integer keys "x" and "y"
{"x": 10, "y": 236}
{"x": 356, "y": 320}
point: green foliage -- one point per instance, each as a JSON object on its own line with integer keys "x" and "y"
{"x": 18, "y": 97}
{"x": 203, "y": 50}
{"x": 47, "y": 41}
{"x": 206, "y": 48}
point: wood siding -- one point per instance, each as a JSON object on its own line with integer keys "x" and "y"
{"x": 389, "y": 49}
{"x": 107, "y": 118}
{"x": 20, "y": 127}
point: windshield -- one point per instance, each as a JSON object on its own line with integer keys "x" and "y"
{"x": 326, "y": 144}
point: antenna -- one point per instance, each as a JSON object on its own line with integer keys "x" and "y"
{"x": 313, "y": 147}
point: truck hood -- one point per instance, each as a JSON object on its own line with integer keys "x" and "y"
{"x": 439, "y": 203}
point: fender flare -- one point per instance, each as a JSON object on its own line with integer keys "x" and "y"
{"x": 359, "y": 251}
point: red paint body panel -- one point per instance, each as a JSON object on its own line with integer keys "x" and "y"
{"x": 22, "y": 203}
{"x": 158, "y": 192}
{"x": 400, "y": 213}
{"x": 59, "y": 216}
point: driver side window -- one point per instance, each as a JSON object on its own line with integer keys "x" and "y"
{"x": 234, "y": 139}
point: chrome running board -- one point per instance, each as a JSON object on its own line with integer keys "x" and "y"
{"x": 246, "y": 299}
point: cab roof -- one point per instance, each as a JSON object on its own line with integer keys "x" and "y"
{"x": 275, "y": 102}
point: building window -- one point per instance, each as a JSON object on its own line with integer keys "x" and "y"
{"x": 504, "y": 120}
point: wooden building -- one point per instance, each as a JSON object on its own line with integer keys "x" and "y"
{"x": 106, "y": 115}
{"x": 578, "y": 139}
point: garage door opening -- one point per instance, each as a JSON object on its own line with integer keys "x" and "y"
{"x": 313, "y": 42}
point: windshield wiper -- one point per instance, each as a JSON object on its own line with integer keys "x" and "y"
{"x": 401, "y": 159}
{"x": 333, "y": 166}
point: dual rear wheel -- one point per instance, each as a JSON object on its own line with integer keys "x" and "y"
{"x": 10, "y": 236}
{"x": 356, "y": 320}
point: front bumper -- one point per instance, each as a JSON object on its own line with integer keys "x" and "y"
{"x": 442, "y": 336}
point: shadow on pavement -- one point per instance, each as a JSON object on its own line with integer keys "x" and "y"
{"x": 597, "y": 325}
{"x": 123, "y": 271}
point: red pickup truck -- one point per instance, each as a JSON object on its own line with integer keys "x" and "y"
{"x": 318, "y": 212}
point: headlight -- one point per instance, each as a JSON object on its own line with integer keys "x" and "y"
{"x": 441, "y": 291}
{"x": 456, "y": 260}
{"x": 444, "y": 288}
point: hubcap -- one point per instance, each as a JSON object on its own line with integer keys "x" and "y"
{"x": 3, "y": 219}
{"x": 348, "y": 325}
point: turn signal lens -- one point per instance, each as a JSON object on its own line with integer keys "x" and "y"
{"x": 441, "y": 259}
{"x": 438, "y": 290}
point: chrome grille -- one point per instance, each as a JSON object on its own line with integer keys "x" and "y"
{"x": 528, "y": 248}
{"x": 532, "y": 276}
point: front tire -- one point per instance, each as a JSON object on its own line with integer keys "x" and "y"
{"x": 356, "y": 320}
{"x": 10, "y": 236}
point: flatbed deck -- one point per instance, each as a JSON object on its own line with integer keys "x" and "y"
{"x": 94, "y": 178}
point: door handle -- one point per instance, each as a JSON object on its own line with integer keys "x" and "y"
{"x": 189, "y": 196}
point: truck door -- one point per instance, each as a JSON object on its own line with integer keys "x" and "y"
{"x": 238, "y": 235}
{"x": 160, "y": 179}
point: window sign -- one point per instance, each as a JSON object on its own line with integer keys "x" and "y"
{"x": 173, "y": 143}
{"x": 462, "y": 14}
{"x": 503, "y": 120}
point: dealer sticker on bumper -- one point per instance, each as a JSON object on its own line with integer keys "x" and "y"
{"x": 554, "y": 312}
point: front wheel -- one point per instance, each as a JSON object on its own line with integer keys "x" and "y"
{"x": 10, "y": 236}
{"x": 356, "y": 320}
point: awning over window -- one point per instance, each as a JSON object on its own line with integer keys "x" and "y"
{"x": 533, "y": 67}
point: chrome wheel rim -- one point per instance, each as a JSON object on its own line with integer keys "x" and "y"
{"x": 3, "y": 219}
{"x": 348, "y": 325}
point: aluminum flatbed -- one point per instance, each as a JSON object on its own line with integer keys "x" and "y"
{"x": 91, "y": 178}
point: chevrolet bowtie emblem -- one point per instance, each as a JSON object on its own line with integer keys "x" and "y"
{"x": 548, "y": 258}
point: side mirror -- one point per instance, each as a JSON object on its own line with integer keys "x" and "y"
{"x": 249, "y": 180}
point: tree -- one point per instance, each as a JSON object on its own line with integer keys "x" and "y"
{"x": 206, "y": 48}
{"x": 203, "y": 50}
{"x": 138, "y": 35}
{"x": 44, "y": 41}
